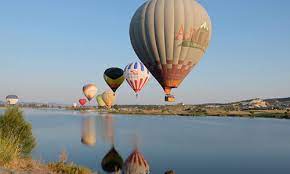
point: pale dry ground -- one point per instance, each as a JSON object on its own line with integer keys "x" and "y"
{"x": 27, "y": 166}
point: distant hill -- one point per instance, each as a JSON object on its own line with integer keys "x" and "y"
{"x": 278, "y": 100}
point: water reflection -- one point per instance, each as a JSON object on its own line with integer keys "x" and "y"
{"x": 211, "y": 144}
{"x": 136, "y": 164}
{"x": 113, "y": 162}
{"x": 88, "y": 131}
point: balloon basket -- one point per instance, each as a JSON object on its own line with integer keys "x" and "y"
{"x": 170, "y": 98}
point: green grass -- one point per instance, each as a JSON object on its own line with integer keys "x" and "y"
{"x": 9, "y": 150}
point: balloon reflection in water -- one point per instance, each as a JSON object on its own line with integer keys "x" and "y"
{"x": 88, "y": 131}
{"x": 136, "y": 164}
{"x": 108, "y": 128}
{"x": 112, "y": 162}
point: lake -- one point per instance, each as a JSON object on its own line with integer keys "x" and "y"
{"x": 185, "y": 144}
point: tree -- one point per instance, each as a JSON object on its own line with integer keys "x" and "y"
{"x": 13, "y": 124}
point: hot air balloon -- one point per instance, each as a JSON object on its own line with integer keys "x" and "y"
{"x": 170, "y": 37}
{"x": 137, "y": 76}
{"x": 114, "y": 77}
{"x": 113, "y": 161}
{"x": 90, "y": 91}
{"x": 109, "y": 98}
{"x": 100, "y": 101}
{"x": 82, "y": 101}
{"x": 136, "y": 164}
{"x": 12, "y": 99}
{"x": 88, "y": 131}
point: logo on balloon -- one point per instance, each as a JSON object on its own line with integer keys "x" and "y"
{"x": 134, "y": 72}
{"x": 194, "y": 38}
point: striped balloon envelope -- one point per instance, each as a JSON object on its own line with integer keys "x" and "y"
{"x": 137, "y": 76}
{"x": 136, "y": 164}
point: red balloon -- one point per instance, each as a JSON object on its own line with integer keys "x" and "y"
{"x": 82, "y": 101}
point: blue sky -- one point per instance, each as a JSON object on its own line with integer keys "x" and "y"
{"x": 50, "y": 48}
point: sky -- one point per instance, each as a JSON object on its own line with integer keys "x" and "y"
{"x": 50, "y": 48}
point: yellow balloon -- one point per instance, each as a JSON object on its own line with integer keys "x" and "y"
{"x": 109, "y": 98}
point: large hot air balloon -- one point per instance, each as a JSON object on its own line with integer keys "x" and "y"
{"x": 112, "y": 162}
{"x": 100, "y": 101}
{"x": 114, "y": 77}
{"x": 170, "y": 37}
{"x": 88, "y": 131}
{"x": 109, "y": 98}
{"x": 82, "y": 101}
{"x": 137, "y": 75}
{"x": 90, "y": 91}
{"x": 136, "y": 164}
{"x": 12, "y": 99}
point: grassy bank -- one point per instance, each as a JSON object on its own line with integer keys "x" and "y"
{"x": 17, "y": 143}
{"x": 200, "y": 111}
{"x": 189, "y": 110}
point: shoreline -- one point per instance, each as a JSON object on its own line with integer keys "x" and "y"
{"x": 182, "y": 111}
{"x": 188, "y": 111}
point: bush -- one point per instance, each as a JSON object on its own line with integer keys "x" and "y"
{"x": 64, "y": 168}
{"x": 13, "y": 124}
{"x": 9, "y": 150}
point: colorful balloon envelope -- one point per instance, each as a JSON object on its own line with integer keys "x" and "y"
{"x": 170, "y": 37}
{"x": 137, "y": 76}
{"x": 114, "y": 77}
{"x": 136, "y": 164}
{"x": 109, "y": 98}
{"x": 82, "y": 101}
{"x": 100, "y": 101}
{"x": 90, "y": 91}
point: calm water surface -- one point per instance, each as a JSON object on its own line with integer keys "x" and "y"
{"x": 184, "y": 144}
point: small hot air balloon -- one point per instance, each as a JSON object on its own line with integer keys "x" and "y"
{"x": 90, "y": 91}
{"x": 137, "y": 75}
{"x": 88, "y": 131}
{"x": 114, "y": 77}
{"x": 12, "y": 99}
{"x": 112, "y": 162}
{"x": 109, "y": 98}
{"x": 136, "y": 164}
{"x": 100, "y": 101}
{"x": 75, "y": 105}
{"x": 170, "y": 37}
{"x": 82, "y": 101}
